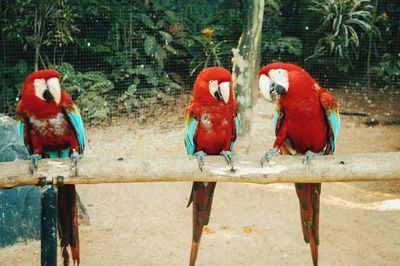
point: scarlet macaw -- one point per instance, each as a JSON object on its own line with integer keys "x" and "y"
{"x": 212, "y": 125}
{"x": 306, "y": 123}
{"x": 51, "y": 126}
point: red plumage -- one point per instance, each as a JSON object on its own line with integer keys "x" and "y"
{"x": 302, "y": 125}
{"x": 48, "y": 130}
{"x": 215, "y": 132}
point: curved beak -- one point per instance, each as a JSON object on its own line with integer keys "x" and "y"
{"x": 224, "y": 89}
{"x": 265, "y": 85}
{"x": 55, "y": 89}
{"x": 221, "y": 91}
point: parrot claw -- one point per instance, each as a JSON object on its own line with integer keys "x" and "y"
{"x": 228, "y": 157}
{"x": 75, "y": 158}
{"x": 308, "y": 156}
{"x": 200, "y": 158}
{"x": 268, "y": 155}
{"x": 33, "y": 162}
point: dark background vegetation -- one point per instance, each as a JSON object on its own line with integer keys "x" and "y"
{"x": 120, "y": 57}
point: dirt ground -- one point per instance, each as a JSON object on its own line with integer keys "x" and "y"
{"x": 149, "y": 224}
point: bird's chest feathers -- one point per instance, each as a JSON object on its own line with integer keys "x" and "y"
{"x": 306, "y": 125}
{"x": 55, "y": 126}
{"x": 212, "y": 124}
{"x": 215, "y": 131}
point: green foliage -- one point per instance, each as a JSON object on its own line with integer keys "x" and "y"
{"x": 210, "y": 55}
{"x": 274, "y": 45}
{"x": 343, "y": 24}
{"x": 145, "y": 43}
{"x": 207, "y": 31}
{"x": 94, "y": 107}
{"x": 388, "y": 68}
{"x": 38, "y": 24}
{"x": 11, "y": 80}
{"x": 90, "y": 91}
{"x": 131, "y": 54}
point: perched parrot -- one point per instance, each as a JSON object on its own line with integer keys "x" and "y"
{"x": 51, "y": 127}
{"x": 212, "y": 125}
{"x": 306, "y": 123}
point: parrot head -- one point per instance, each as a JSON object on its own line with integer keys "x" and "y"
{"x": 212, "y": 85}
{"x": 42, "y": 90}
{"x": 281, "y": 78}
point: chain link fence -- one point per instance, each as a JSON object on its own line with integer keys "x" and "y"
{"x": 137, "y": 59}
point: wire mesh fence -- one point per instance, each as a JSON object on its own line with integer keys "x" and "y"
{"x": 139, "y": 58}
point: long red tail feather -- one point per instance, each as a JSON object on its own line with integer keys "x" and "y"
{"x": 309, "y": 195}
{"x": 201, "y": 196}
{"x": 68, "y": 223}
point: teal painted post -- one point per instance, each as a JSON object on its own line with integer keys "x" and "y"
{"x": 49, "y": 227}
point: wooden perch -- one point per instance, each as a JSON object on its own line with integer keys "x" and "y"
{"x": 282, "y": 169}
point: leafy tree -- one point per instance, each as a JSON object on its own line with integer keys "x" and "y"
{"x": 90, "y": 91}
{"x": 11, "y": 79}
{"x": 343, "y": 24}
{"x": 53, "y": 25}
{"x": 208, "y": 31}
{"x": 277, "y": 44}
{"x": 388, "y": 69}
{"x": 132, "y": 54}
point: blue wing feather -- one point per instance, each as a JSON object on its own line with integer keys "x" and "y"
{"x": 77, "y": 123}
{"x": 276, "y": 117}
{"x": 334, "y": 121}
{"x": 329, "y": 104}
{"x": 237, "y": 126}
{"x": 191, "y": 126}
{"x": 20, "y": 126}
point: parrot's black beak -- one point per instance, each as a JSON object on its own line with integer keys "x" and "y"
{"x": 47, "y": 95}
{"x": 218, "y": 94}
{"x": 280, "y": 89}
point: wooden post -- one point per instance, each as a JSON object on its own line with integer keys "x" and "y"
{"x": 246, "y": 61}
{"x": 49, "y": 227}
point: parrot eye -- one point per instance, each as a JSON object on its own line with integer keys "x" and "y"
{"x": 213, "y": 87}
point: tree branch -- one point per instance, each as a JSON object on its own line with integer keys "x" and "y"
{"x": 282, "y": 169}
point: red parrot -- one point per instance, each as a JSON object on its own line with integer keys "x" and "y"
{"x": 51, "y": 126}
{"x": 306, "y": 123}
{"x": 212, "y": 125}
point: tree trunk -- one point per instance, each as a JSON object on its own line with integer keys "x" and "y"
{"x": 370, "y": 47}
{"x": 246, "y": 61}
{"x": 37, "y": 54}
{"x": 37, "y": 47}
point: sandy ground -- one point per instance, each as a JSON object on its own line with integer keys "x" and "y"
{"x": 149, "y": 224}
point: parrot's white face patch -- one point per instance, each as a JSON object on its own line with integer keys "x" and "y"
{"x": 280, "y": 77}
{"x": 40, "y": 86}
{"x": 276, "y": 81}
{"x": 264, "y": 84}
{"x": 213, "y": 87}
